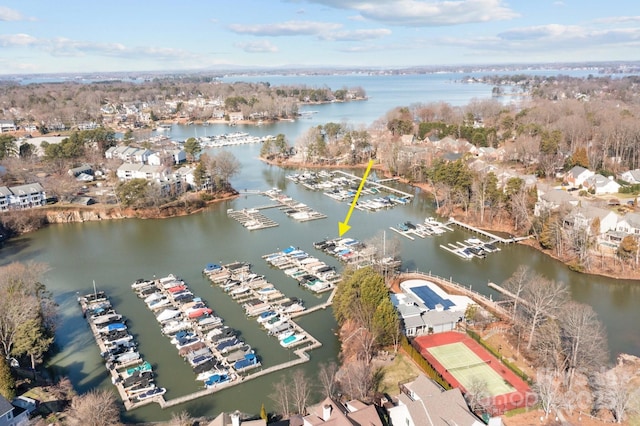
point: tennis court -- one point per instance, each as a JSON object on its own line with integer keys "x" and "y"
{"x": 463, "y": 364}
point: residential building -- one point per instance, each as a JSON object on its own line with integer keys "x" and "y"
{"x": 629, "y": 224}
{"x": 11, "y": 415}
{"x": 141, "y": 171}
{"x": 581, "y": 218}
{"x": 577, "y": 175}
{"x": 334, "y": 413}
{"x": 424, "y": 403}
{"x": 233, "y": 419}
{"x": 82, "y": 169}
{"x": 550, "y": 200}
{"x": 601, "y": 184}
{"x": 631, "y": 176}
{"x": 27, "y": 196}
{"x": 5, "y": 198}
{"x": 7, "y": 126}
{"x": 424, "y": 308}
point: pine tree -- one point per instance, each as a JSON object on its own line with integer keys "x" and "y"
{"x": 7, "y": 382}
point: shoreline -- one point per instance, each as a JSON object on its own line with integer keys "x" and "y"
{"x": 427, "y": 188}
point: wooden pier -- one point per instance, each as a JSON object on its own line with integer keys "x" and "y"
{"x": 378, "y": 185}
{"x": 488, "y": 234}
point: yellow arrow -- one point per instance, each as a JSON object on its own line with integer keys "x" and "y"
{"x": 343, "y": 227}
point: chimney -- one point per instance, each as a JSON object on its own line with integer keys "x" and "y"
{"x": 326, "y": 412}
{"x": 235, "y": 418}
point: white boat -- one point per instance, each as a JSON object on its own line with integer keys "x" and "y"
{"x": 287, "y": 333}
{"x": 167, "y": 315}
{"x": 153, "y": 297}
{"x": 176, "y": 326}
{"x": 292, "y": 340}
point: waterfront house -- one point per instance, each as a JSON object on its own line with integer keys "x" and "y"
{"x": 550, "y": 200}
{"x": 423, "y": 403}
{"x": 599, "y": 184}
{"x": 27, "y": 196}
{"x": 577, "y": 175}
{"x": 11, "y": 415}
{"x": 424, "y": 308}
{"x": 631, "y": 176}
{"x": 5, "y": 198}
{"x": 141, "y": 171}
{"x": 236, "y": 116}
{"x": 629, "y": 224}
{"x": 581, "y": 218}
{"x": 331, "y": 412}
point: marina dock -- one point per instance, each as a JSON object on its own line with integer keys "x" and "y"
{"x": 487, "y": 234}
{"x": 252, "y": 219}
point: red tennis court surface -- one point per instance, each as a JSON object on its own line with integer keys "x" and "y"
{"x": 501, "y": 403}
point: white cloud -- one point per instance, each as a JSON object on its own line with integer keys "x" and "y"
{"x": 7, "y": 14}
{"x": 288, "y": 28}
{"x": 419, "y": 13}
{"x": 614, "y": 20}
{"x": 14, "y": 40}
{"x": 355, "y": 35}
{"x": 259, "y": 46}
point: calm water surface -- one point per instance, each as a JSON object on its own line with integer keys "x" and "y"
{"x": 115, "y": 253}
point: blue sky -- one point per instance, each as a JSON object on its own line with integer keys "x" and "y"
{"x": 84, "y": 36}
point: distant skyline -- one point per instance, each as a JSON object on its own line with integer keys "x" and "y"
{"x": 81, "y": 37}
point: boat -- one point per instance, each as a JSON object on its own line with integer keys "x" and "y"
{"x": 116, "y": 326}
{"x": 152, "y": 393}
{"x": 266, "y": 316}
{"x": 173, "y": 327}
{"x": 229, "y": 345}
{"x": 292, "y": 340}
{"x": 286, "y": 333}
{"x": 217, "y": 379}
{"x": 103, "y": 319}
{"x": 196, "y": 313}
{"x": 238, "y": 354}
{"x": 141, "y": 283}
{"x": 183, "y": 334}
{"x": 137, "y": 377}
{"x": 125, "y": 357}
{"x": 212, "y": 268}
{"x": 187, "y": 341}
{"x": 158, "y": 303}
{"x": 145, "y": 366}
{"x": 249, "y": 361}
{"x": 140, "y": 387}
{"x": 167, "y": 315}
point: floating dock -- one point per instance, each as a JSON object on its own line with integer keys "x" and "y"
{"x": 252, "y": 219}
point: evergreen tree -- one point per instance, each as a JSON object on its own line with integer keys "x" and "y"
{"x": 263, "y": 413}
{"x": 7, "y": 382}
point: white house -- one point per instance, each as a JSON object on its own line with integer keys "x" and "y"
{"x": 7, "y": 126}
{"x": 553, "y": 199}
{"x": 26, "y": 196}
{"x": 129, "y": 171}
{"x": 583, "y": 217}
{"x": 631, "y": 176}
{"x": 5, "y": 198}
{"x": 602, "y": 184}
{"x": 629, "y": 224}
{"x": 577, "y": 175}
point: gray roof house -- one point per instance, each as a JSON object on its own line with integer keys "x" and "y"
{"x": 424, "y": 403}
{"x": 550, "y": 199}
{"x": 631, "y": 176}
{"x": 583, "y": 217}
{"x": 602, "y": 184}
{"x": 629, "y": 224}
{"x": 11, "y": 415}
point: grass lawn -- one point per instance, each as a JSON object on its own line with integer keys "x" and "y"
{"x": 398, "y": 370}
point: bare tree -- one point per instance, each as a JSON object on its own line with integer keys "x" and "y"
{"x": 548, "y": 389}
{"x": 95, "y": 408}
{"x": 614, "y": 391}
{"x": 542, "y": 298}
{"x": 182, "y": 418}
{"x": 583, "y": 339}
{"x": 327, "y": 376}
{"x": 357, "y": 379}
{"x": 280, "y": 396}
{"x": 300, "y": 391}
{"x": 478, "y": 396}
{"x": 516, "y": 285}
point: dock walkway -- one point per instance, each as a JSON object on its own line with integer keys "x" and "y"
{"x": 494, "y": 237}
{"x": 378, "y": 185}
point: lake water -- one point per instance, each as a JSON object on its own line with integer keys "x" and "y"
{"x": 115, "y": 253}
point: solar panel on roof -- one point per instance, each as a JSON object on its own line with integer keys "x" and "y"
{"x": 430, "y": 298}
